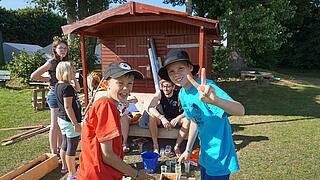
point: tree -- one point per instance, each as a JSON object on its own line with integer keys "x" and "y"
{"x": 77, "y": 10}
{"x": 30, "y": 25}
{"x": 253, "y": 28}
{"x": 302, "y": 49}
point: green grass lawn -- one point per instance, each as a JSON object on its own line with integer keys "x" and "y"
{"x": 278, "y": 138}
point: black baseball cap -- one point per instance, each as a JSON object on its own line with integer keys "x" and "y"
{"x": 119, "y": 68}
{"x": 176, "y": 55}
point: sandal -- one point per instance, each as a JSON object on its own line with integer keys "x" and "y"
{"x": 64, "y": 170}
{"x": 126, "y": 148}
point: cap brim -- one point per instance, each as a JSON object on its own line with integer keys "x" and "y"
{"x": 163, "y": 73}
{"x": 137, "y": 74}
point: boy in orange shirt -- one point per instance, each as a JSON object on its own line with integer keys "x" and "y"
{"x": 101, "y": 138}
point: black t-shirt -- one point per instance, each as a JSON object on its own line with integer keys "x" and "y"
{"x": 169, "y": 107}
{"x": 61, "y": 91}
{"x": 53, "y": 79}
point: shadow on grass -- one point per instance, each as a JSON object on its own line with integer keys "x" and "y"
{"x": 275, "y": 98}
{"x": 13, "y": 88}
{"x": 246, "y": 140}
{"x": 54, "y": 175}
{"x": 240, "y": 127}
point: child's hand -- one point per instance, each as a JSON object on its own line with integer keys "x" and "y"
{"x": 165, "y": 122}
{"x": 77, "y": 128}
{"x": 207, "y": 92}
{"x": 174, "y": 122}
{"x": 184, "y": 156}
{"x": 144, "y": 175}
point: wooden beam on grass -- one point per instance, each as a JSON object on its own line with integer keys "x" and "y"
{"x": 21, "y": 128}
{"x": 27, "y": 136}
{"x": 21, "y": 134}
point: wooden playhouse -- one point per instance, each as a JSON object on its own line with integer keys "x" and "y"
{"x": 127, "y": 31}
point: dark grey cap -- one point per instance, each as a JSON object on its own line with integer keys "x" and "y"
{"x": 119, "y": 68}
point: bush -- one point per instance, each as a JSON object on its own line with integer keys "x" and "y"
{"x": 219, "y": 62}
{"x": 24, "y": 65}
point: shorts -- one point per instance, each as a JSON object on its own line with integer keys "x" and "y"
{"x": 178, "y": 126}
{"x": 67, "y": 128}
{"x": 205, "y": 176}
{"x": 51, "y": 100}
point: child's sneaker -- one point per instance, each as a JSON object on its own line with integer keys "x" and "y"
{"x": 70, "y": 177}
{"x": 64, "y": 170}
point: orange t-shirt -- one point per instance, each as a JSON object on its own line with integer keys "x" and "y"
{"x": 101, "y": 124}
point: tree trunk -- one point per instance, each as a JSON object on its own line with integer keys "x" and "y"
{"x": 71, "y": 15}
{"x": 189, "y": 7}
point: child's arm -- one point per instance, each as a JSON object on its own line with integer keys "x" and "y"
{"x": 208, "y": 95}
{"x": 75, "y": 84}
{"x": 69, "y": 110}
{"x": 154, "y": 112}
{"x": 110, "y": 158}
{"x": 36, "y": 75}
{"x": 193, "y": 131}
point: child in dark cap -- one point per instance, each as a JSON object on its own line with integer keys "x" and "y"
{"x": 207, "y": 106}
{"x": 101, "y": 138}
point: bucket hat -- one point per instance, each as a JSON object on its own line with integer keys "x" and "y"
{"x": 119, "y": 68}
{"x": 176, "y": 55}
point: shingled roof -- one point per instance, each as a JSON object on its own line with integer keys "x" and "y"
{"x": 133, "y": 11}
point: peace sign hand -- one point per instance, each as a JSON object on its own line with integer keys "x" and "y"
{"x": 207, "y": 92}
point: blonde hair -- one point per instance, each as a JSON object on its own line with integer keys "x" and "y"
{"x": 63, "y": 71}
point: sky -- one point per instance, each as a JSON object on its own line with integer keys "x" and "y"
{"x": 20, "y": 4}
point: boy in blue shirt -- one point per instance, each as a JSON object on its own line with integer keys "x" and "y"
{"x": 207, "y": 106}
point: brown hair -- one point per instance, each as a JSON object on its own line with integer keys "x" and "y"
{"x": 163, "y": 81}
{"x": 54, "y": 47}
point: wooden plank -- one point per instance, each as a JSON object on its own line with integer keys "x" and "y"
{"x": 27, "y": 136}
{"x": 20, "y": 134}
{"x": 14, "y": 173}
{"x": 41, "y": 169}
{"x": 21, "y": 128}
{"x": 50, "y": 162}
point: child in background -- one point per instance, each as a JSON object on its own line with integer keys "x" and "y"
{"x": 69, "y": 115}
{"x": 207, "y": 106}
{"x": 101, "y": 136}
{"x": 60, "y": 53}
{"x": 127, "y": 109}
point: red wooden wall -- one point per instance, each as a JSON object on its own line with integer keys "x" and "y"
{"x": 130, "y": 42}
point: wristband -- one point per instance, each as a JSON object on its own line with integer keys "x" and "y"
{"x": 160, "y": 116}
{"x": 137, "y": 175}
{"x": 75, "y": 123}
{"x": 189, "y": 151}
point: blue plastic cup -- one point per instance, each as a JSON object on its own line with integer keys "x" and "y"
{"x": 150, "y": 161}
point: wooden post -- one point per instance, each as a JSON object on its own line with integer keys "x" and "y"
{"x": 201, "y": 48}
{"x": 84, "y": 69}
{"x": 35, "y": 99}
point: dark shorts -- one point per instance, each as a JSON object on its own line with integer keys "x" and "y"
{"x": 205, "y": 176}
{"x": 51, "y": 99}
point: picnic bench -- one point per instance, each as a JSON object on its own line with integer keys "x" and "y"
{"x": 265, "y": 75}
{"x": 5, "y": 75}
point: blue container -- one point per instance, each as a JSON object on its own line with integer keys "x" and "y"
{"x": 150, "y": 161}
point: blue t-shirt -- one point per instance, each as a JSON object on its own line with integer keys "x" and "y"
{"x": 217, "y": 152}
